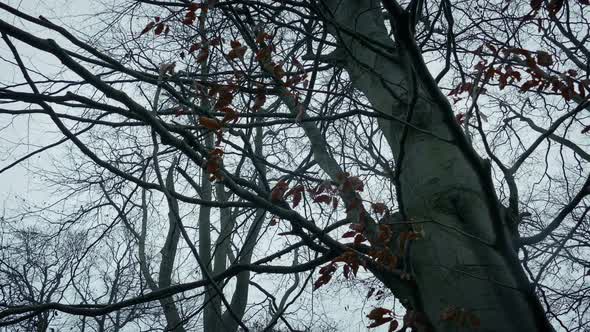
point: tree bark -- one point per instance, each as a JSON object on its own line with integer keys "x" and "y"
{"x": 240, "y": 296}
{"x": 174, "y": 322}
{"x": 457, "y": 264}
{"x": 168, "y": 251}
{"x": 211, "y": 312}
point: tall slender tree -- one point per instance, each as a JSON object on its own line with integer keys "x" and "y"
{"x": 436, "y": 145}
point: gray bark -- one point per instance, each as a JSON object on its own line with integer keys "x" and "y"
{"x": 240, "y": 295}
{"x": 211, "y": 300}
{"x": 211, "y": 312}
{"x": 440, "y": 188}
{"x": 222, "y": 246}
{"x": 173, "y": 320}
{"x": 168, "y": 251}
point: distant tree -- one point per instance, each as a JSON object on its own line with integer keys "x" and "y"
{"x": 34, "y": 269}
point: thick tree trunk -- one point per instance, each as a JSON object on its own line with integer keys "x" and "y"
{"x": 457, "y": 264}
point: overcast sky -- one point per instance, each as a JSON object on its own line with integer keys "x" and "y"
{"x": 20, "y": 186}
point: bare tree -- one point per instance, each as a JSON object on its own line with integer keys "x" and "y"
{"x": 452, "y": 150}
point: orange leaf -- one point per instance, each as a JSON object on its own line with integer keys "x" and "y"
{"x": 341, "y": 176}
{"x": 225, "y": 99}
{"x": 294, "y": 190}
{"x": 555, "y": 6}
{"x": 209, "y": 123}
{"x": 262, "y": 36}
{"x": 503, "y": 81}
{"x": 348, "y": 234}
{"x": 322, "y": 199}
{"x": 297, "y": 198}
{"x": 393, "y": 326}
{"x": 237, "y": 52}
{"x": 328, "y": 269}
{"x": 167, "y": 68}
{"x": 189, "y": 18}
{"x": 322, "y": 280}
{"x": 378, "y": 313}
{"x": 194, "y": 6}
{"x": 278, "y": 191}
{"x": 212, "y": 166}
{"x": 203, "y": 55}
{"x": 566, "y": 93}
{"x": 230, "y": 115}
{"x": 264, "y": 54}
{"x": 353, "y": 183}
{"x": 159, "y": 29}
{"x": 528, "y": 85}
{"x": 216, "y": 153}
{"x": 358, "y": 239}
{"x": 219, "y": 136}
{"x": 379, "y": 208}
{"x": 297, "y": 193}
{"x": 194, "y": 47}
{"x": 235, "y": 44}
{"x": 259, "y": 101}
{"x": 213, "y": 162}
{"x": 544, "y": 58}
{"x": 297, "y": 64}
{"x": 147, "y": 28}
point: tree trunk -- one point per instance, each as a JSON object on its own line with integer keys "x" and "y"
{"x": 211, "y": 314}
{"x": 174, "y": 322}
{"x": 458, "y": 265}
{"x": 240, "y": 296}
{"x": 168, "y": 251}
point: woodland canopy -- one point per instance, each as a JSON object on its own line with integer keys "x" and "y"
{"x": 295, "y": 165}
